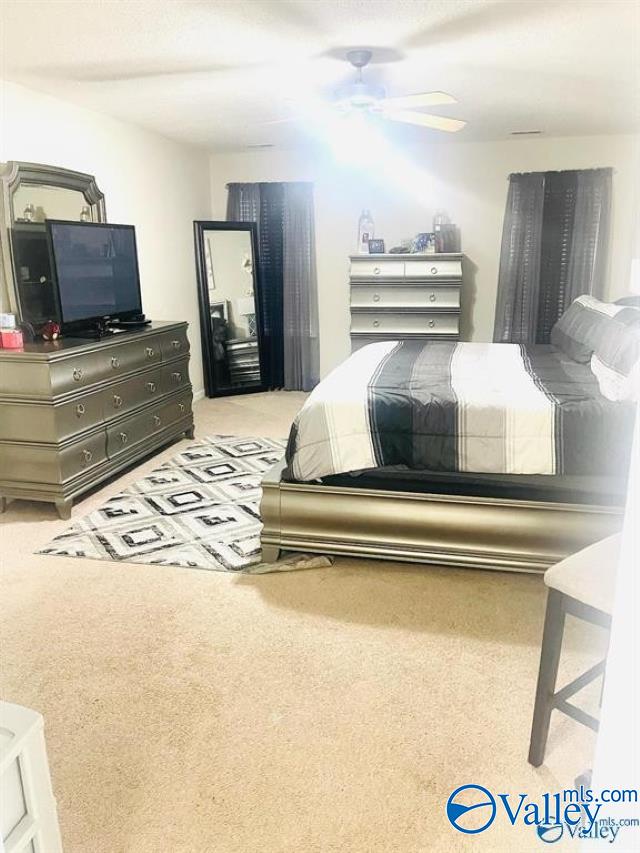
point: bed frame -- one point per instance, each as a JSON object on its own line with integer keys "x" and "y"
{"x": 450, "y": 530}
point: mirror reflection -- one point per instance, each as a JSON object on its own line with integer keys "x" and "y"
{"x": 37, "y": 202}
{"x": 228, "y": 296}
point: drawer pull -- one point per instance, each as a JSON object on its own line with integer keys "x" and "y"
{"x": 80, "y": 410}
{"x": 77, "y": 374}
{"x": 432, "y": 323}
{"x": 176, "y": 344}
{"x": 156, "y": 420}
{"x": 117, "y": 401}
{"x": 376, "y": 323}
{"x": 432, "y": 297}
{"x": 181, "y": 406}
{"x": 177, "y": 377}
{"x": 124, "y": 438}
{"x": 88, "y": 455}
{"x": 150, "y": 352}
{"x": 115, "y": 362}
{"x": 376, "y": 297}
{"x": 376, "y": 270}
{"x": 151, "y": 386}
{"x": 434, "y": 270}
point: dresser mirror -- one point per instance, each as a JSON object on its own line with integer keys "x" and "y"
{"x": 227, "y": 262}
{"x": 31, "y": 193}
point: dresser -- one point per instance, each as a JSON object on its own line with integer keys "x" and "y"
{"x": 73, "y": 412}
{"x": 405, "y": 296}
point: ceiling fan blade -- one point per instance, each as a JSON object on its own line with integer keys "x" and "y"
{"x": 288, "y": 120}
{"x": 424, "y": 99}
{"x": 451, "y": 125}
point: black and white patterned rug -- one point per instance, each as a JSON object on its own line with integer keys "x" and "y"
{"x": 199, "y": 510}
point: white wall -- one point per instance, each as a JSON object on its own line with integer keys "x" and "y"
{"x": 158, "y": 185}
{"x": 469, "y": 180}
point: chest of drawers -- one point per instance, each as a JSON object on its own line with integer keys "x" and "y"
{"x": 74, "y": 412}
{"x": 405, "y": 296}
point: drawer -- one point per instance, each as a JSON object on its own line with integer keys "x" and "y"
{"x": 401, "y": 324}
{"x": 127, "y": 433}
{"x": 177, "y": 409}
{"x": 175, "y": 376}
{"x": 131, "y": 393}
{"x": 405, "y": 296}
{"x": 169, "y": 413}
{"x": 46, "y": 464}
{"x": 434, "y": 268}
{"x": 47, "y": 422}
{"x": 138, "y": 428}
{"x": 82, "y": 456}
{"x": 78, "y": 371}
{"x": 133, "y": 355}
{"x": 367, "y": 268}
{"x": 173, "y": 344}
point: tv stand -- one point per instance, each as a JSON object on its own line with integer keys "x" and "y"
{"x": 74, "y": 412}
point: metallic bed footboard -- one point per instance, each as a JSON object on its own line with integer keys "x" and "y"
{"x": 452, "y": 530}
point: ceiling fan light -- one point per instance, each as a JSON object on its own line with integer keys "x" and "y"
{"x": 360, "y": 95}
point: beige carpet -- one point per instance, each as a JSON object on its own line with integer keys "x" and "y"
{"x": 326, "y": 710}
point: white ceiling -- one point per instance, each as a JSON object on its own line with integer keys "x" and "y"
{"x": 215, "y": 72}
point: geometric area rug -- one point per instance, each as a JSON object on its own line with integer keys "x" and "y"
{"x": 200, "y": 510}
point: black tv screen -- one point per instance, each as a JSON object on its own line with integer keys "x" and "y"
{"x": 95, "y": 267}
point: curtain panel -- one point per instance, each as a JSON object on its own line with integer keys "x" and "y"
{"x": 287, "y": 267}
{"x": 554, "y": 248}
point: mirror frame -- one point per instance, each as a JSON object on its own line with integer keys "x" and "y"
{"x": 200, "y": 228}
{"x": 14, "y": 174}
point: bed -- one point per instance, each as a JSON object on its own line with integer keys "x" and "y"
{"x": 469, "y": 454}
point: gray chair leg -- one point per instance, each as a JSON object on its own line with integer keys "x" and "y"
{"x": 547, "y": 676}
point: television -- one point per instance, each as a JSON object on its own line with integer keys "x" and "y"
{"x": 95, "y": 270}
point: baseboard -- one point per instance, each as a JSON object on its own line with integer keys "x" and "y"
{"x": 198, "y": 395}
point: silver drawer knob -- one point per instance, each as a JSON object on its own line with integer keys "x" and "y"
{"x": 77, "y": 374}
{"x": 434, "y": 270}
{"x": 376, "y": 323}
{"x": 151, "y": 386}
{"x": 150, "y": 352}
{"x": 376, "y": 297}
{"x": 176, "y": 344}
{"x": 432, "y": 297}
{"x": 177, "y": 377}
{"x": 80, "y": 410}
{"x": 432, "y": 323}
{"x": 117, "y": 401}
{"x": 181, "y": 406}
{"x": 124, "y": 438}
{"x": 156, "y": 420}
{"x": 376, "y": 270}
{"x": 88, "y": 455}
{"x": 115, "y": 362}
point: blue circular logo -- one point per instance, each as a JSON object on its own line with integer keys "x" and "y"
{"x": 471, "y": 809}
{"x": 550, "y": 832}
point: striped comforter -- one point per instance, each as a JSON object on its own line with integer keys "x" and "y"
{"x": 474, "y": 407}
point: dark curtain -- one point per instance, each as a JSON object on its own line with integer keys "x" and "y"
{"x": 554, "y": 247}
{"x": 288, "y": 292}
{"x": 270, "y": 244}
{"x": 519, "y": 276}
{"x": 300, "y": 310}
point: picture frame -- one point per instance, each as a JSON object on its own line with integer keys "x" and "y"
{"x": 376, "y": 247}
{"x": 220, "y": 310}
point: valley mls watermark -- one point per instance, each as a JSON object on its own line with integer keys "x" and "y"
{"x": 576, "y": 812}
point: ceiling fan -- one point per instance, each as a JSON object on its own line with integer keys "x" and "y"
{"x": 365, "y": 97}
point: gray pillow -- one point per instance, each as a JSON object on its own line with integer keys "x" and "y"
{"x": 616, "y": 361}
{"x": 582, "y": 327}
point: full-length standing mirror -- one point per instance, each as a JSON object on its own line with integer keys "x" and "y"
{"x": 227, "y": 268}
